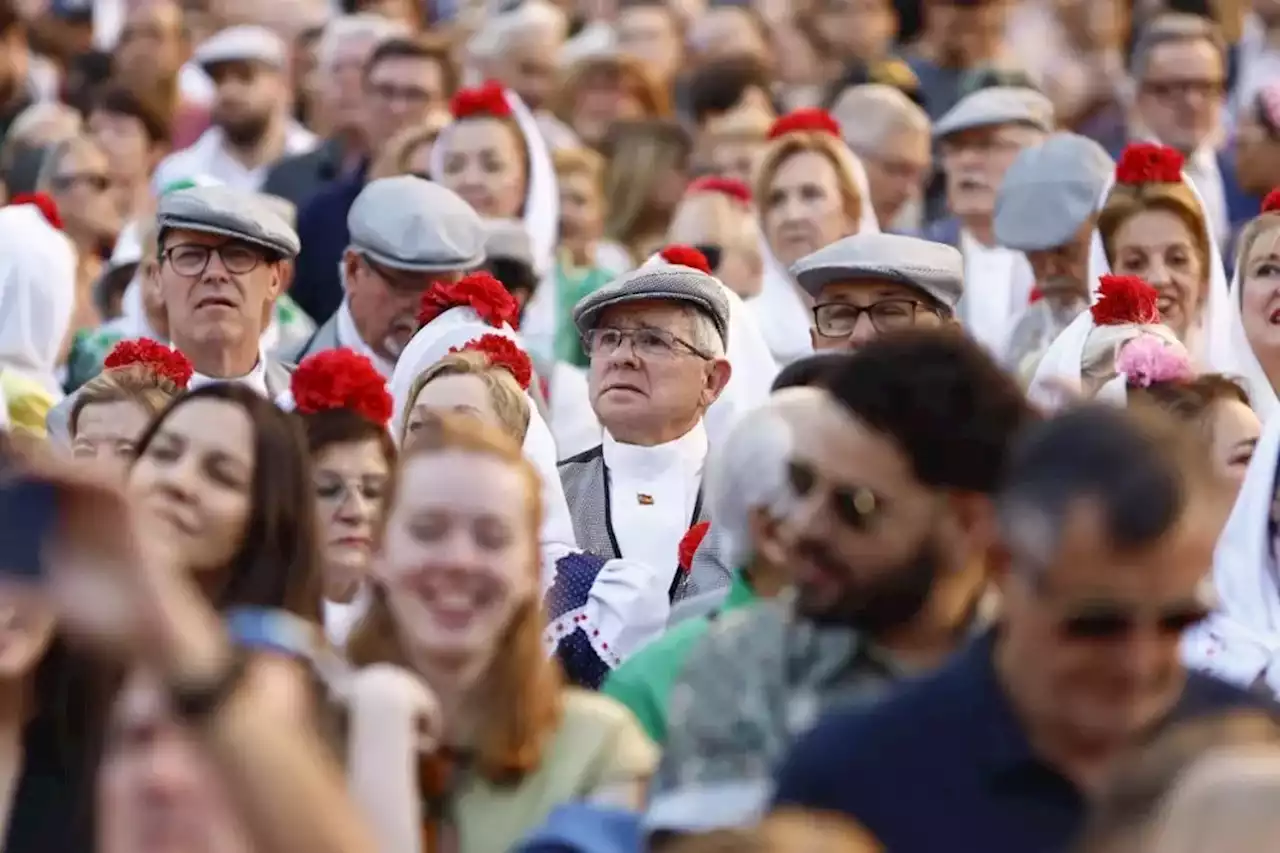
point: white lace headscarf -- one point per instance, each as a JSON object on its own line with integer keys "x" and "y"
{"x": 37, "y": 295}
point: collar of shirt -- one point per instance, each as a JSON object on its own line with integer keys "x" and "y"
{"x": 349, "y": 337}
{"x": 687, "y": 452}
{"x": 255, "y": 379}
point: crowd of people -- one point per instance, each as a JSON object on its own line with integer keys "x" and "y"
{"x": 640, "y": 425}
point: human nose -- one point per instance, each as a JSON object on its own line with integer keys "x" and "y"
{"x": 793, "y": 209}
{"x": 1158, "y": 273}
{"x": 356, "y": 507}
{"x": 863, "y": 329}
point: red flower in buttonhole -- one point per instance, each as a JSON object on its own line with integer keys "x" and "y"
{"x": 1125, "y": 299}
{"x": 505, "y": 353}
{"x": 1271, "y": 203}
{"x": 160, "y": 358}
{"x": 45, "y": 203}
{"x": 487, "y": 99}
{"x": 730, "y": 187}
{"x": 690, "y": 542}
{"x": 1148, "y": 163}
{"x": 479, "y": 291}
{"x": 341, "y": 379}
{"x": 805, "y": 120}
{"x": 685, "y": 256}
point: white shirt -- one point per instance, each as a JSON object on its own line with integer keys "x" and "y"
{"x": 997, "y": 285}
{"x": 255, "y": 379}
{"x": 349, "y": 337}
{"x": 1202, "y": 168}
{"x": 653, "y": 492}
{"x": 208, "y": 157}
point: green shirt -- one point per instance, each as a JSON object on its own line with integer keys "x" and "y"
{"x": 643, "y": 682}
{"x": 572, "y": 285}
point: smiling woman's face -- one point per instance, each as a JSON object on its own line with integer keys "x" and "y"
{"x": 1235, "y": 430}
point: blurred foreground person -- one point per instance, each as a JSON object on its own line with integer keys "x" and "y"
{"x": 1226, "y": 803}
{"x": 1108, "y": 520}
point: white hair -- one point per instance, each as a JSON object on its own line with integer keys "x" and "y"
{"x": 706, "y": 337}
{"x": 364, "y": 25}
{"x": 44, "y": 113}
{"x": 531, "y": 16}
{"x": 869, "y": 114}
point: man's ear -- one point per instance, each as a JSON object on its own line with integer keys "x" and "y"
{"x": 717, "y": 379}
{"x": 281, "y": 278}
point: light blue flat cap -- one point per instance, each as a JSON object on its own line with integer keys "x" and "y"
{"x": 230, "y": 213}
{"x": 408, "y": 223}
{"x": 997, "y": 105}
{"x": 1049, "y": 191}
{"x": 934, "y": 268}
{"x": 245, "y": 43}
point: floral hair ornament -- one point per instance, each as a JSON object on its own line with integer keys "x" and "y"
{"x": 681, "y": 255}
{"x": 502, "y": 352}
{"x": 731, "y": 187}
{"x": 805, "y": 120}
{"x": 690, "y": 542}
{"x": 487, "y": 99}
{"x": 1271, "y": 204}
{"x": 341, "y": 379}
{"x": 44, "y": 203}
{"x": 163, "y": 360}
{"x": 1147, "y": 360}
{"x": 1125, "y": 299}
{"x": 1148, "y": 163}
{"x": 479, "y": 291}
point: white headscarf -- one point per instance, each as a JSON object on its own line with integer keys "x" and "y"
{"x": 1210, "y": 345}
{"x": 455, "y": 328}
{"x": 1241, "y": 641}
{"x": 37, "y": 294}
{"x": 780, "y": 309}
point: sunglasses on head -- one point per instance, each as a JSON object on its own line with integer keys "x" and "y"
{"x": 1104, "y": 621}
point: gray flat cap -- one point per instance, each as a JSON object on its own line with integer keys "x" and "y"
{"x": 508, "y": 240}
{"x": 997, "y": 105}
{"x": 1049, "y": 191}
{"x": 661, "y": 281}
{"x": 408, "y": 223}
{"x": 935, "y": 268}
{"x": 231, "y": 213}
{"x": 243, "y": 44}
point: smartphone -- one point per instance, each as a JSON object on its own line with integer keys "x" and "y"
{"x": 28, "y": 515}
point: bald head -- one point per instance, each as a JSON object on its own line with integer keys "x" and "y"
{"x": 521, "y": 49}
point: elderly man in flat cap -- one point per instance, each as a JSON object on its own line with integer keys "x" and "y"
{"x": 979, "y": 138}
{"x": 656, "y": 338}
{"x": 406, "y": 234}
{"x": 1046, "y": 210}
{"x": 866, "y": 285}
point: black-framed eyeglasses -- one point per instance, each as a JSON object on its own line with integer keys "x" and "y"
{"x": 645, "y": 341}
{"x": 1108, "y": 620}
{"x": 713, "y": 252}
{"x": 403, "y": 282}
{"x": 193, "y": 258}
{"x": 838, "y": 319}
{"x": 857, "y": 507}
{"x": 1166, "y": 90}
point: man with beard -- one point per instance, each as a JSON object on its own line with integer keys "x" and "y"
{"x": 1107, "y": 523}
{"x": 887, "y": 543}
{"x": 252, "y": 128}
{"x": 406, "y": 234}
{"x": 1045, "y": 209}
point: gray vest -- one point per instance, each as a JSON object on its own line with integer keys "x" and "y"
{"x": 586, "y": 489}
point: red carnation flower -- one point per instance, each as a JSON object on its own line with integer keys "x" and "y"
{"x": 1271, "y": 203}
{"x": 805, "y": 120}
{"x": 47, "y": 206}
{"x": 503, "y": 352}
{"x": 1035, "y": 296}
{"x": 731, "y": 187}
{"x": 690, "y": 542}
{"x": 1148, "y": 163}
{"x": 341, "y": 379}
{"x": 1125, "y": 299}
{"x": 479, "y": 291}
{"x": 685, "y": 256}
{"x": 487, "y": 99}
{"x": 165, "y": 361}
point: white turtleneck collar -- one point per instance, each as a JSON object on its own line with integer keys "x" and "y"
{"x": 255, "y": 379}
{"x": 644, "y": 461}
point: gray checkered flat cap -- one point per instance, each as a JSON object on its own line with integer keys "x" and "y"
{"x": 997, "y": 105}
{"x": 1050, "y": 191}
{"x": 658, "y": 281}
{"x": 230, "y": 213}
{"x": 408, "y": 223}
{"x": 935, "y": 268}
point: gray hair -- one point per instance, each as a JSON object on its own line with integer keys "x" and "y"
{"x": 869, "y": 114}
{"x": 705, "y": 335}
{"x": 1172, "y": 28}
{"x": 365, "y": 25}
{"x": 499, "y": 30}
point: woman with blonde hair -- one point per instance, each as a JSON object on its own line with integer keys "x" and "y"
{"x": 644, "y": 181}
{"x": 486, "y": 378}
{"x": 515, "y": 742}
{"x": 810, "y": 191}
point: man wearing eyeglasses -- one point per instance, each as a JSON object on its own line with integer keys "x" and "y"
{"x": 1107, "y": 520}
{"x": 866, "y": 285}
{"x": 405, "y": 234}
{"x": 656, "y": 340}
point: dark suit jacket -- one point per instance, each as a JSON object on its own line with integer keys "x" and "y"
{"x": 322, "y": 227}
{"x": 943, "y": 231}
{"x": 300, "y": 177}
